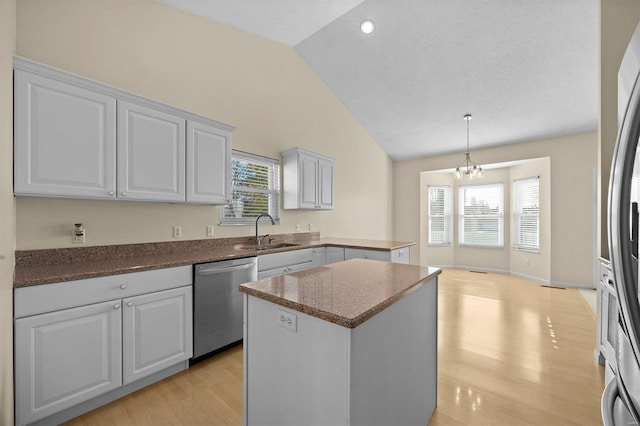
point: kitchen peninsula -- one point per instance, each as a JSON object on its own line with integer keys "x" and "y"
{"x": 351, "y": 343}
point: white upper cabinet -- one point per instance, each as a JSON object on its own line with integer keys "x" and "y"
{"x": 77, "y": 138}
{"x": 64, "y": 139}
{"x": 307, "y": 180}
{"x": 208, "y": 164}
{"x": 151, "y": 154}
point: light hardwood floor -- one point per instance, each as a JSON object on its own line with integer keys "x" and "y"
{"x": 511, "y": 352}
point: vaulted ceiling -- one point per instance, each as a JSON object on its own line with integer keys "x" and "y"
{"x": 525, "y": 70}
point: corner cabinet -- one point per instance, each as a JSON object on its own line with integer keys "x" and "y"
{"x": 83, "y": 342}
{"x": 307, "y": 180}
{"x": 77, "y": 138}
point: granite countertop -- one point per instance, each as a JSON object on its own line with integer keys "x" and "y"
{"x": 345, "y": 293}
{"x": 35, "y": 267}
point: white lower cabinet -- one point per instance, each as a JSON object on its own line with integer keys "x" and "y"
{"x": 156, "y": 334}
{"x": 335, "y": 254}
{"x": 399, "y": 255}
{"x": 66, "y": 357}
{"x": 73, "y": 354}
{"x": 319, "y": 256}
{"x": 274, "y": 264}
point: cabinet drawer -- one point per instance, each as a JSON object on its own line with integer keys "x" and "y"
{"x": 351, "y": 253}
{"x": 52, "y": 297}
{"x": 287, "y": 258}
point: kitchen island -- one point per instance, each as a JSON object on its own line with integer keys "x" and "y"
{"x": 352, "y": 343}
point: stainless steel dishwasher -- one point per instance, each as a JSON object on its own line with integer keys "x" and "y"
{"x": 217, "y": 303}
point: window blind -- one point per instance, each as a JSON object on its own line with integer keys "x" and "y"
{"x": 255, "y": 189}
{"x": 439, "y": 211}
{"x": 526, "y": 214}
{"x": 481, "y": 215}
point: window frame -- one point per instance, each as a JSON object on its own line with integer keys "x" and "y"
{"x": 446, "y": 216}
{"x": 499, "y": 216}
{"x": 518, "y": 215}
{"x": 273, "y": 190}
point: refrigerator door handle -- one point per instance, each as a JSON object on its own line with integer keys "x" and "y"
{"x": 608, "y": 399}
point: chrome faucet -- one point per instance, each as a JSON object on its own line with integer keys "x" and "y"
{"x": 260, "y": 238}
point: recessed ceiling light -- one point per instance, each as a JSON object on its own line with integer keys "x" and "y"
{"x": 367, "y": 26}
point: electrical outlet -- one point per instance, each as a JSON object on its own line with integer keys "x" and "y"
{"x": 177, "y": 231}
{"x": 78, "y": 238}
{"x": 288, "y": 320}
{"x": 209, "y": 230}
{"x": 297, "y": 227}
{"x": 310, "y": 227}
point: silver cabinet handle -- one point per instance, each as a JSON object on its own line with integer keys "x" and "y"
{"x": 111, "y": 193}
{"x": 124, "y": 194}
{"x": 116, "y": 306}
{"x": 365, "y": 257}
{"x": 129, "y": 304}
{"x": 212, "y": 271}
{"x": 123, "y": 286}
{"x": 401, "y": 252}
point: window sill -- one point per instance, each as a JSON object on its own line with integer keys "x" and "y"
{"x": 527, "y": 250}
{"x": 480, "y": 246}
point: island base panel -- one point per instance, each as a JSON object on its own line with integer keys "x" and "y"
{"x": 382, "y": 372}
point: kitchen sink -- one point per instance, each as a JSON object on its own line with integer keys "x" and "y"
{"x": 264, "y": 246}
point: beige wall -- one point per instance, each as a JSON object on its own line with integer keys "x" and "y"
{"x": 572, "y": 162}
{"x": 528, "y": 264}
{"x": 618, "y": 20}
{"x": 7, "y": 234}
{"x": 263, "y": 88}
{"x": 506, "y": 259}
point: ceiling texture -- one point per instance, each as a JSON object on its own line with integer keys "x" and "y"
{"x": 526, "y": 70}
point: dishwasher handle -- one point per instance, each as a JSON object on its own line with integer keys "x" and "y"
{"x": 214, "y": 271}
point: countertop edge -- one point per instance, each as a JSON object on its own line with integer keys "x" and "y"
{"x": 337, "y": 319}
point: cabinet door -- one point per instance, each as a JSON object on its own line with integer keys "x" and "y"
{"x": 325, "y": 184}
{"x": 66, "y": 357}
{"x": 151, "y": 154}
{"x": 319, "y": 256}
{"x": 157, "y": 332}
{"x": 401, "y": 255}
{"x": 64, "y": 139}
{"x": 308, "y": 184}
{"x": 335, "y": 254}
{"x": 208, "y": 164}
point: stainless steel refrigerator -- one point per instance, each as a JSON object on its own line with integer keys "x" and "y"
{"x": 621, "y": 397}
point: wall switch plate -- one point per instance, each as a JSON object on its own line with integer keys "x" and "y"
{"x": 177, "y": 232}
{"x": 288, "y": 320}
{"x": 297, "y": 227}
{"x": 209, "y": 230}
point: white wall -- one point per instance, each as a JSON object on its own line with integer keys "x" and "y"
{"x": 572, "y": 159}
{"x": 263, "y": 88}
{"x": 7, "y": 234}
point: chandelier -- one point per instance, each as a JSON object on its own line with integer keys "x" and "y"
{"x": 470, "y": 169}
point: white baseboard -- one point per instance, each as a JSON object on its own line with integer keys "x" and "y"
{"x": 519, "y": 275}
